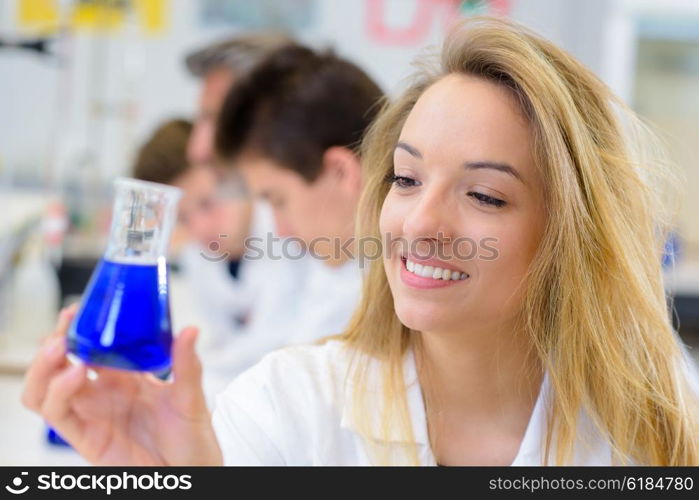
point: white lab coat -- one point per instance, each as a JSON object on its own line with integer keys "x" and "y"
{"x": 318, "y": 304}
{"x": 285, "y": 301}
{"x": 294, "y": 408}
{"x": 219, "y": 300}
{"x": 265, "y": 295}
{"x": 329, "y": 299}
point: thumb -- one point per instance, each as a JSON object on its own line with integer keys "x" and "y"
{"x": 187, "y": 371}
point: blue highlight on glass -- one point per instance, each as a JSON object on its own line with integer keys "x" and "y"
{"x": 125, "y": 319}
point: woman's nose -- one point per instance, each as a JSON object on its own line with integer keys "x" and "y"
{"x": 429, "y": 217}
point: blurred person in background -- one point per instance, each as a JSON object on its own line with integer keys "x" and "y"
{"x": 205, "y": 213}
{"x": 242, "y": 316}
{"x": 215, "y": 216}
{"x": 213, "y": 293}
{"x": 216, "y": 208}
{"x": 291, "y": 127}
{"x": 218, "y": 66}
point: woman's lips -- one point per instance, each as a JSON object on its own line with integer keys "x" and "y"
{"x": 429, "y": 274}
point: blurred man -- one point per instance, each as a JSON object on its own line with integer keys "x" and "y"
{"x": 292, "y": 127}
{"x": 216, "y": 209}
{"x": 218, "y": 66}
{"x": 219, "y": 213}
{"x": 205, "y": 214}
{"x": 232, "y": 295}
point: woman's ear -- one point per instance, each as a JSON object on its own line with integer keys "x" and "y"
{"x": 344, "y": 167}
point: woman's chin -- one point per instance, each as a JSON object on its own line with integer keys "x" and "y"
{"x": 426, "y": 319}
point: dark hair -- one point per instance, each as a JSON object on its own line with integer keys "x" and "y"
{"x": 295, "y": 105}
{"x": 238, "y": 54}
{"x": 163, "y": 157}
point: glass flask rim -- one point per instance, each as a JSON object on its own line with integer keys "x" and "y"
{"x": 172, "y": 191}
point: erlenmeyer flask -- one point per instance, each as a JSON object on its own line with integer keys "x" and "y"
{"x": 124, "y": 317}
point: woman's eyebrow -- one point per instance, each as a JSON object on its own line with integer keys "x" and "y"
{"x": 500, "y": 167}
{"x": 410, "y": 149}
{"x": 472, "y": 165}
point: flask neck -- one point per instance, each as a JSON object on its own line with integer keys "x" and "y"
{"x": 142, "y": 220}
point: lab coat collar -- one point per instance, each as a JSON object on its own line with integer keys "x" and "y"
{"x": 530, "y": 450}
{"x": 374, "y": 386}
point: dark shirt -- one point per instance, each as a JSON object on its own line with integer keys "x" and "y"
{"x": 233, "y": 268}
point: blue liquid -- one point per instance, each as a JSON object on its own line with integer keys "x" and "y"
{"x": 55, "y": 438}
{"x": 672, "y": 250}
{"x": 124, "y": 321}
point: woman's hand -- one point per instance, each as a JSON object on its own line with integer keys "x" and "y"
{"x": 124, "y": 417}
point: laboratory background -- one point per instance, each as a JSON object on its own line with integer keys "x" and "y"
{"x": 83, "y": 83}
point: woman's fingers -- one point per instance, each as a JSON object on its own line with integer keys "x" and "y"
{"x": 186, "y": 364}
{"x": 65, "y": 317}
{"x": 57, "y": 405}
{"x": 48, "y": 361}
{"x": 188, "y": 373}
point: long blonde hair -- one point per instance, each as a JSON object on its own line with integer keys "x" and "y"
{"x": 594, "y": 308}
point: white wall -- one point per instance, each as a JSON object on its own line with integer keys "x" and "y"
{"x": 52, "y": 118}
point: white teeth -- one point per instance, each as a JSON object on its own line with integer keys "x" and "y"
{"x": 436, "y": 273}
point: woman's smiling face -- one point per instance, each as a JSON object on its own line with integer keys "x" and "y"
{"x": 467, "y": 198}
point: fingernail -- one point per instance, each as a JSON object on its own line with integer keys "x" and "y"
{"x": 67, "y": 311}
{"x": 92, "y": 374}
{"x": 74, "y": 360}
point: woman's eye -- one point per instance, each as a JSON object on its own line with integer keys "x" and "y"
{"x": 484, "y": 199}
{"x": 402, "y": 181}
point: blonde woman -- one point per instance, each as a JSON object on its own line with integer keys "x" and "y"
{"x": 549, "y": 344}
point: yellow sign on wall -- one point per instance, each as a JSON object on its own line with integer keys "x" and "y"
{"x": 152, "y": 14}
{"x": 94, "y": 15}
{"x": 42, "y": 14}
{"x": 99, "y": 16}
